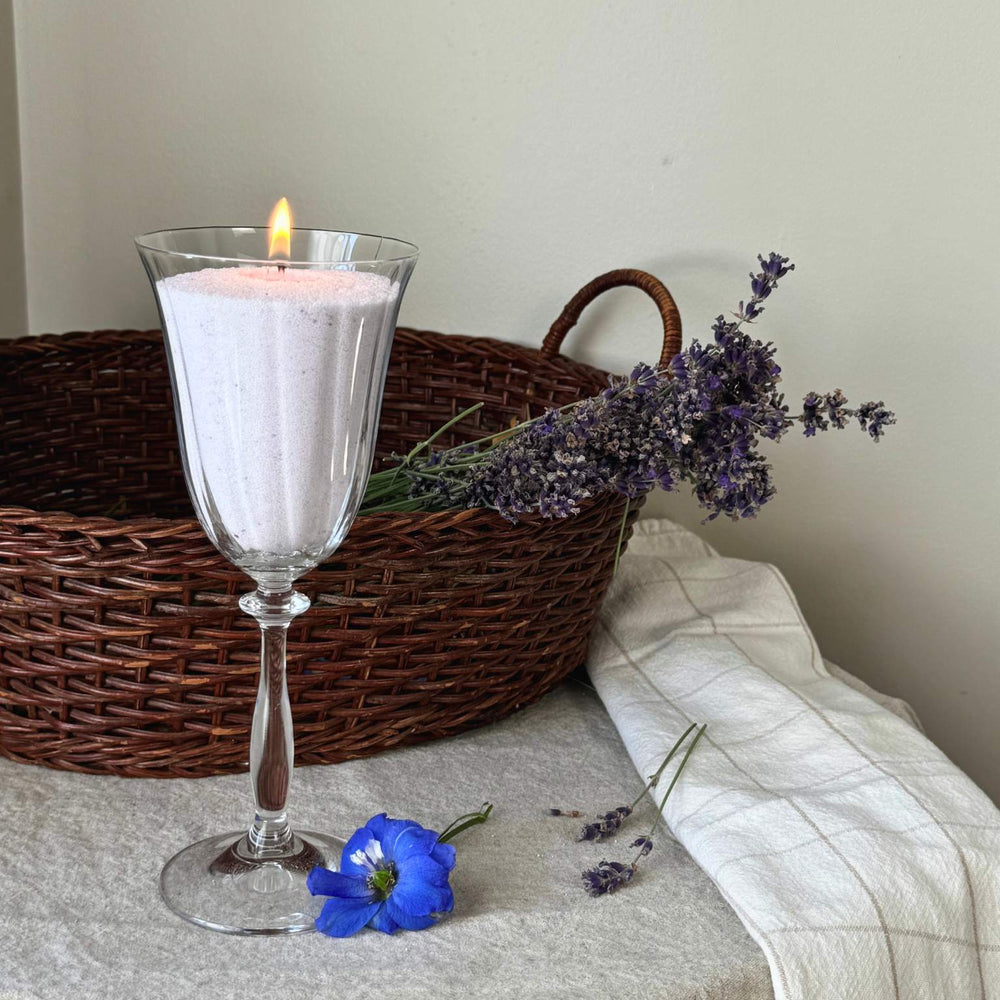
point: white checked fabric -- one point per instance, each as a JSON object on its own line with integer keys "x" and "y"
{"x": 863, "y": 862}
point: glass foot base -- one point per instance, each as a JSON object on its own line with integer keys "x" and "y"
{"x": 218, "y": 883}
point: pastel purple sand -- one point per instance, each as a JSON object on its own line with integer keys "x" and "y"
{"x": 271, "y": 363}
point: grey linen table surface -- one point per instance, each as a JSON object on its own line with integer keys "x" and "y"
{"x": 81, "y": 915}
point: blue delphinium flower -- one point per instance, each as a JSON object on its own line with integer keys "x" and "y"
{"x": 393, "y": 873}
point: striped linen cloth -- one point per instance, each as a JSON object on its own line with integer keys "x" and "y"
{"x": 862, "y": 861}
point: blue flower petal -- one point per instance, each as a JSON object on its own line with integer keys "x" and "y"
{"x": 444, "y": 855}
{"x": 387, "y": 831}
{"x": 414, "y": 840}
{"x": 422, "y": 887}
{"x": 383, "y": 922}
{"x": 323, "y": 882}
{"x": 407, "y": 920}
{"x": 423, "y": 868}
{"x": 344, "y": 917}
{"x": 377, "y": 825}
{"x": 358, "y": 842}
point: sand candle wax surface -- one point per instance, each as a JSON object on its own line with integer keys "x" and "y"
{"x": 272, "y": 367}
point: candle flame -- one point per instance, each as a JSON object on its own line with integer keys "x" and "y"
{"x": 280, "y": 230}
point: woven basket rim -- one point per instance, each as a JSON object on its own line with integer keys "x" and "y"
{"x": 417, "y": 518}
{"x": 58, "y": 519}
{"x": 59, "y": 342}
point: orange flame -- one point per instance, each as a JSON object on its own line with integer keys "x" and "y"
{"x": 280, "y": 230}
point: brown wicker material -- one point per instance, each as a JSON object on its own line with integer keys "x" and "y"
{"x": 122, "y": 649}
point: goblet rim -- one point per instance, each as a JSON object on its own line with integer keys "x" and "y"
{"x": 411, "y": 251}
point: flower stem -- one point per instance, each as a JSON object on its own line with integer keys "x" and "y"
{"x": 670, "y": 756}
{"x": 621, "y": 537}
{"x": 429, "y": 441}
{"x": 670, "y": 788}
{"x": 509, "y": 431}
{"x": 464, "y": 822}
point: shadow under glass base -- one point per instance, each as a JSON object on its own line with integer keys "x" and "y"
{"x": 219, "y": 883}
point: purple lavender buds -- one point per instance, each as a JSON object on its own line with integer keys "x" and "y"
{"x": 699, "y": 420}
{"x": 606, "y": 826}
{"x": 608, "y": 876}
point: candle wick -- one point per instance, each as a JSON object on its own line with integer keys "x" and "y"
{"x": 281, "y": 269}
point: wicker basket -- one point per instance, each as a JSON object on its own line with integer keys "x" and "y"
{"x": 122, "y": 649}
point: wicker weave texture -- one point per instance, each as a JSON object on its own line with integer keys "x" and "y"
{"x": 122, "y": 649}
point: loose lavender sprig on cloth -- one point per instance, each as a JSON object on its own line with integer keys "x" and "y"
{"x": 699, "y": 420}
{"x": 606, "y": 826}
{"x": 610, "y": 876}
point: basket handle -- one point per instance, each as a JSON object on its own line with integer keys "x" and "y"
{"x": 653, "y": 287}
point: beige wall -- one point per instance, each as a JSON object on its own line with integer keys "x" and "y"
{"x": 13, "y": 302}
{"x": 527, "y": 146}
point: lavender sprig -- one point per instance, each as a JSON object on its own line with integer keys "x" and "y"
{"x": 606, "y": 826}
{"x": 610, "y": 876}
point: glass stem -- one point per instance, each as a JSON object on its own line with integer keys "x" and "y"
{"x": 272, "y": 752}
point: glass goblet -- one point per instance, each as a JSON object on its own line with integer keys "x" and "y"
{"x": 277, "y": 369}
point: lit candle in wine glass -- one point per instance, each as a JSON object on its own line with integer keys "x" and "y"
{"x": 278, "y": 342}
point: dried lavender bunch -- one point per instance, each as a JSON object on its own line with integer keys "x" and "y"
{"x": 699, "y": 420}
{"x": 610, "y": 876}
